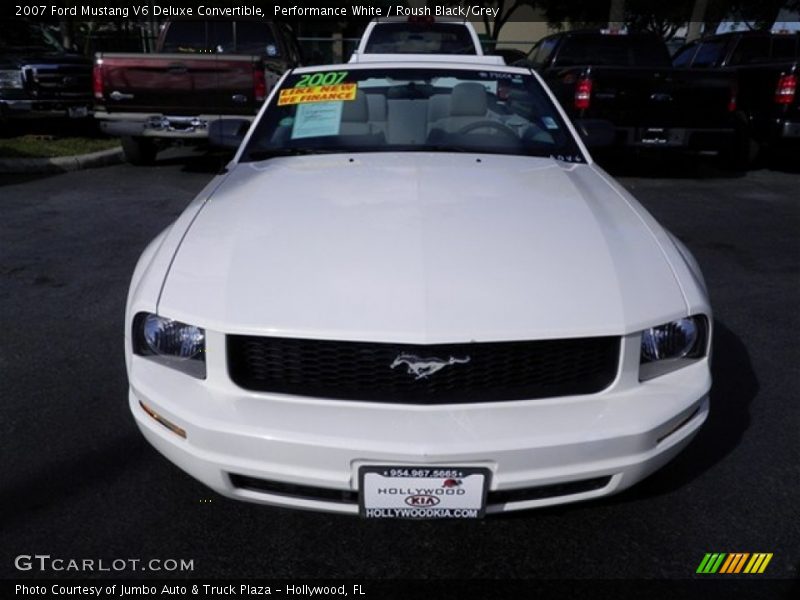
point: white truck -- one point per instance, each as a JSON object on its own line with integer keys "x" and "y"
{"x": 424, "y": 38}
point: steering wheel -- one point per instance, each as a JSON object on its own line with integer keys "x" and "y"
{"x": 487, "y": 123}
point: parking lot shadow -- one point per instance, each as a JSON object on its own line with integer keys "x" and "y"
{"x": 193, "y": 160}
{"x": 16, "y": 179}
{"x": 659, "y": 165}
{"x": 785, "y": 160}
{"x": 73, "y": 475}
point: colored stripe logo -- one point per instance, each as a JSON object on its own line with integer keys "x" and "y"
{"x": 734, "y": 562}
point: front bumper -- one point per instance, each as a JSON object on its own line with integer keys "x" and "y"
{"x": 33, "y": 109}
{"x": 313, "y": 448}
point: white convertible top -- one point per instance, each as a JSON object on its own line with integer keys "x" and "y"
{"x": 470, "y": 59}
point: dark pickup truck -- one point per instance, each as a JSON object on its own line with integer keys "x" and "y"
{"x": 628, "y": 79}
{"x": 38, "y": 77}
{"x": 202, "y": 71}
{"x": 766, "y": 66}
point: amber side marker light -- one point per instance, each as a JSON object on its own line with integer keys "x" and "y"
{"x": 161, "y": 420}
{"x": 678, "y": 426}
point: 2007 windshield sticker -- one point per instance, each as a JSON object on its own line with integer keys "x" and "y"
{"x": 319, "y": 87}
{"x": 317, "y": 79}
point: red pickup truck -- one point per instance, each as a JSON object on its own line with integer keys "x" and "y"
{"x": 201, "y": 71}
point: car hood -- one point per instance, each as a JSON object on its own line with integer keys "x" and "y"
{"x": 420, "y": 248}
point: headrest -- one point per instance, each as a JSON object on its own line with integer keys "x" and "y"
{"x": 409, "y": 91}
{"x": 356, "y": 111}
{"x": 468, "y": 100}
{"x": 377, "y": 106}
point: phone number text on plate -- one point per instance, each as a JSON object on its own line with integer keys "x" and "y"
{"x": 416, "y": 472}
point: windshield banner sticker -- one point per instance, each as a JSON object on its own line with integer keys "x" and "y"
{"x": 322, "y": 93}
{"x": 316, "y": 120}
{"x": 317, "y": 79}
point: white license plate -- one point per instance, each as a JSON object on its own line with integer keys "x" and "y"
{"x": 405, "y": 492}
{"x": 77, "y": 112}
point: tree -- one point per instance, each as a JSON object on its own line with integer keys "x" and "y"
{"x": 616, "y": 14}
{"x": 578, "y": 12}
{"x": 66, "y": 28}
{"x": 663, "y": 17}
{"x": 697, "y": 19}
{"x": 762, "y": 13}
{"x": 657, "y": 16}
{"x": 506, "y": 9}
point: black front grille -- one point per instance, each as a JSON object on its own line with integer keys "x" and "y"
{"x": 293, "y": 490}
{"x": 60, "y": 82}
{"x": 307, "y": 492}
{"x": 495, "y": 371}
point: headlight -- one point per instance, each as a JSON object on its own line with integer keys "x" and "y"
{"x": 672, "y": 346}
{"x": 11, "y": 79}
{"x": 171, "y": 343}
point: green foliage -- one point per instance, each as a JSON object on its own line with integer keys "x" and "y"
{"x": 665, "y": 17}
{"x": 49, "y": 146}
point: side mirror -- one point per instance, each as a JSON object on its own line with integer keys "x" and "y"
{"x": 227, "y": 133}
{"x": 596, "y": 133}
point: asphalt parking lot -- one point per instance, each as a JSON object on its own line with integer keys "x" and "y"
{"x": 79, "y": 481}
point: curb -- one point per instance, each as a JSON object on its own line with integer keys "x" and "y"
{"x": 62, "y": 164}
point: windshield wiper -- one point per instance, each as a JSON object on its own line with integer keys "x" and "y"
{"x": 446, "y": 148}
{"x": 499, "y": 150}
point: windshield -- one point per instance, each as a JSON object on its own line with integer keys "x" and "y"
{"x": 614, "y": 50}
{"x": 220, "y": 37}
{"x": 411, "y": 109}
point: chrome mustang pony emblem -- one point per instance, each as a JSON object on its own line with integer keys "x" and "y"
{"x": 423, "y": 368}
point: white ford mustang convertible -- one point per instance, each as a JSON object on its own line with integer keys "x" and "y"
{"x": 413, "y": 294}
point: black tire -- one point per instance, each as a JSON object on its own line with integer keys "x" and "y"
{"x": 782, "y": 155}
{"x": 139, "y": 151}
{"x": 742, "y": 154}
